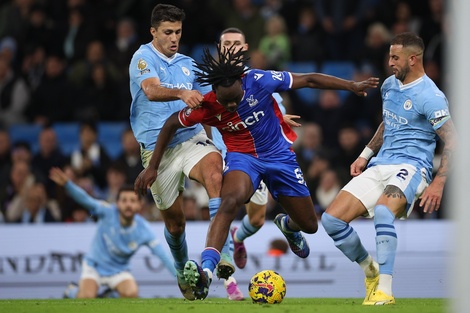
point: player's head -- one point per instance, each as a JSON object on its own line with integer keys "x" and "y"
{"x": 166, "y": 25}
{"x": 224, "y": 75}
{"x": 128, "y": 202}
{"x": 406, "y": 54}
{"x": 233, "y": 36}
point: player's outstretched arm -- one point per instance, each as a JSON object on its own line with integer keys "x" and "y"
{"x": 148, "y": 176}
{"x": 323, "y": 81}
{"x": 78, "y": 194}
{"x": 432, "y": 195}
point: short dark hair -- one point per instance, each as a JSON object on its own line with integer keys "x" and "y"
{"x": 166, "y": 13}
{"x": 125, "y": 188}
{"x": 229, "y": 68}
{"x": 232, "y": 30}
{"x": 408, "y": 39}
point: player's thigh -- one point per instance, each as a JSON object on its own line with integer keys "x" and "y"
{"x": 405, "y": 183}
{"x": 236, "y": 189}
{"x": 256, "y": 213}
{"x": 260, "y": 197}
{"x": 128, "y": 288}
{"x": 359, "y": 196}
{"x": 301, "y": 211}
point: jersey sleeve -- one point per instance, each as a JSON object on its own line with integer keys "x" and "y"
{"x": 271, "y": 81}
{"x": 189, "y": 117}
{"x": 94, "y": 206}
{"x": 436, "y": 110}
{"x": 142, "y": 66}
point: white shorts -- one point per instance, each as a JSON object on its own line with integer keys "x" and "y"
{"x": 370, "y": 185}
{"x": 89, "y": 272}
{"x": 260, "y": 197}
{"x": 176, "y": 163}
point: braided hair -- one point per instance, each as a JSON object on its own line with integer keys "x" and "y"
{"x": 229, "y": 67}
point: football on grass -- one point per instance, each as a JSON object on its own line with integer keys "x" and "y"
{"x": 267, "y": 287}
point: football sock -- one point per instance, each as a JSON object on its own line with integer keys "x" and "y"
{"x": 344, "y": 237}
{"x": 178, "y": 248}
{"x": 214, "y": 205}
{"x": 210, "y": 258}
{"x": 370, "y": 267}
{"x": 385, "y": 284}
{"x": 386, "y": 242}
{"x": 245, "y": 230}
{"x": 72, "y": 293}
{"x": 289, "y": 225}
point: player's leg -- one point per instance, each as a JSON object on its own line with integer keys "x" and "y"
{"x": 90, "y": 281}
{"x": 404, "y": 186}
{"x": 125, "y": 284}
{"x": 251, "y": 223}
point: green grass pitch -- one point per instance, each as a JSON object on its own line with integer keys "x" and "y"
{"x": 212, "y": 305}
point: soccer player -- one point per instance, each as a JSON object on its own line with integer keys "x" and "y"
{"x": 242, "y": 109}
{"x": 121, "y": 232}
{"x": 162, "y": 81}
{"x": 414, "y": 111}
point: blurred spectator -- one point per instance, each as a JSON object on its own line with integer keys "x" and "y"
{"x": 377, "y": 46}
{"x": 404, "y": 20}
{"x": 14, "y": 95}
{"x": 8, "y": 51}
{"x": 90, "y": 159}
{"x": 5, "y": 154}
{"x": 309, "y": 143}
{"x": 38, "y": 208}
{"x": 350, "y": 147}
{"x": 48, "y": 156}
{"x": 308, "y": 39}
{"x": 343, "y": 22}
{"x": 125, "y": 44}
{"x": 275, "y": 44}
{"x": 278, "y": 247}
{"x": 14, "y": 192}
{"x": 190, "y": 207}
{"x": 39, "y": 29}
{"x": 115, "y": 179}
{"x": 320, "y": 164}
{"x": 34, "y": 66}
{"x": 130, "y": 156}
{"x": 327, "y": 114}
{"x": 329, "y": 186}
{"x": 244, "y": 15}
{"x": 52, "y": 101}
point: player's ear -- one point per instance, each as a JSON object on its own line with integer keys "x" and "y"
{"x": 153, "y": 31}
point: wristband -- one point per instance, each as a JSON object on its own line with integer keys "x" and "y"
{"x": 367, "y": 153}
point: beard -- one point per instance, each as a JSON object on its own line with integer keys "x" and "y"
{"x": 401, "y": 75}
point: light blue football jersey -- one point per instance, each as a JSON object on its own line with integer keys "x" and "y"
{"x": 411, "y": 113}
{"x": 113, "y": 245}
{"x": 147, "y": 117}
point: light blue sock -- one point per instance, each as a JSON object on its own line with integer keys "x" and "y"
{"x": 246, "y": 229}
{"x": 178, "y": 248}
{"x": 386, "y": 239}
{"x": 344, "y": 237}
{"x": 72, "y": 293}
{"x": 214, "y": 205}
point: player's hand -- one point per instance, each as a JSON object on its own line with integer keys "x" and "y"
{"x": 145, "y": 179}
{"x": 58, "y": 176}
{"x": 192, "y": 98}
{"x": 289, "y": 119}
{"x": 360, "y": 87}
{"x": 431, "y": 197}
{"x": 358, "y": 166}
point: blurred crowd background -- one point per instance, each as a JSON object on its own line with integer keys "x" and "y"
{"x": 64, "y": 89}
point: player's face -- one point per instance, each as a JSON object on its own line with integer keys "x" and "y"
{"x": 166, "y": 37}
{"x": 230, "y": 97}
{"x": 128, "y": 204}
{"x": 398, "y": 61}
{"x": 237, "y": 40}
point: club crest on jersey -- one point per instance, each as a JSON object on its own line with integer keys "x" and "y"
{"x": 187, "y": 111}
{"x": 132, "y": 245}
{"x": 142, "y": 66}
{"x": 219, "y": 117}
{"x": 408, "y": 104}
{"x": 252, "y": 101}
{"x": 185, "y": 71}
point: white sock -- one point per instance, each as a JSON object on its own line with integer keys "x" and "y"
{"x": 385, "y": 284}
{"x": 370, "y": 267}
{"x": 229, "y": 281}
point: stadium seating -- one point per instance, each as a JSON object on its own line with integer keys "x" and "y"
{"x": 308, "y": 96}
{"x": 342, "y": 69}
{"x": 197, "y": 51}
{"x": 109, "y": 135}
{"x": 25, "y": 132}
{"x": 67, "y": 136}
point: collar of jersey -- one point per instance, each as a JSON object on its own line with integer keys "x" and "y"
{"x": 162, "y": 56}
{"x": 410, "y": 85}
